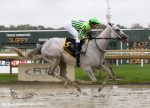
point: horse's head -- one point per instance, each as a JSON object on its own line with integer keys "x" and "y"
{"x": 117, "y": 33}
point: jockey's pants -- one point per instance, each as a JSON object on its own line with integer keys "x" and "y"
{"x": 68, "y": 26}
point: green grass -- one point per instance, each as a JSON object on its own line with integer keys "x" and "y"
{"x": 127, "y": 74}
{"x": 6, "y": 77}
{"x": 133, "y": 73}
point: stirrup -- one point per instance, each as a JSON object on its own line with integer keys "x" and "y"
{"x": 77, "y": 53}
{"x": 82, "y": 52}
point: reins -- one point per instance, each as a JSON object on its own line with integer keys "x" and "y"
{"x": 99, "y": 48}
{"x": 100, "y": 38}
{"x": 95, "y": 38}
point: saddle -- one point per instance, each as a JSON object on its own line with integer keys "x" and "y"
{"x": 70, "y": 46}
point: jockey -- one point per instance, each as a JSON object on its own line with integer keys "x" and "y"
{"x": 80, "y": 30}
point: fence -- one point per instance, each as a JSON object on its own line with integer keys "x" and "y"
{"x": 140, "y": 55}
{"x": 135, "y": 56}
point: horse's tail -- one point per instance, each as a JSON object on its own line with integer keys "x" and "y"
{"x": 30, "y": 54}
{"x": 36, "y": 51}
{"x": 20, "y": 54}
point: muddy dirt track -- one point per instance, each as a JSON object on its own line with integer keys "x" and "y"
{"x": 55, "y": 96}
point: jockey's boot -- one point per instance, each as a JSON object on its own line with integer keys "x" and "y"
{"x": 78, "y": 54}
{"x": 77, "y": 48}
{"x": 78, "y": 60}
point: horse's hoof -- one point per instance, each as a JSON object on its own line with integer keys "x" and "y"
{"x": 65, "y": 84}
{"x": 51, "y": 74}
{"x": 99, "y": 89}
{"x": 112, "y": 79}
{"x": 79, "y": 90}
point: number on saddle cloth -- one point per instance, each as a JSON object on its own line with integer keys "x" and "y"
{"x": 70, "y": 46}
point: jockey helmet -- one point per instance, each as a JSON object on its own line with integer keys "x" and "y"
{"x": 94, "y": 21}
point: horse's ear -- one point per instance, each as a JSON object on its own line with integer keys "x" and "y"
{"x": 111, "y": 24}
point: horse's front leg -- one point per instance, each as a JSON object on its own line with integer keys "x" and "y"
{"x": 109, "y": 73}
{"x": 108, "y": 70}
{"x": 108, "y": 64}
{"x": 89, "y": 72}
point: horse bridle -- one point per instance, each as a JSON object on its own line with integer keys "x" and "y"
{"x": 110, "y": 26}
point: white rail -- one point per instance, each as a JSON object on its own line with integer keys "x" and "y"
{"x": 110, "y": 54}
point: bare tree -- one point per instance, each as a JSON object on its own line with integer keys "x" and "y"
{"x": 136, "y": 26}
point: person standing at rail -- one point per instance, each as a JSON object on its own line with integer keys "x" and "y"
{"x": 80, "y": 30}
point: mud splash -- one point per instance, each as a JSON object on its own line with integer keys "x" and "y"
{"x": 55, "y": 96}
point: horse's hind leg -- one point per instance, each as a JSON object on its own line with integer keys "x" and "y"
{"x": 63, "y": 76}
{"x": 54, "y": 63}
{"x": 63, "y": 68}
{"x": 63, "y": 72}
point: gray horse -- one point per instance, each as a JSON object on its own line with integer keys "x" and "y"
{"x": 52, "y": 52}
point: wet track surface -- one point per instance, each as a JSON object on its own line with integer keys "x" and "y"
{"x": 55, "y": 96}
